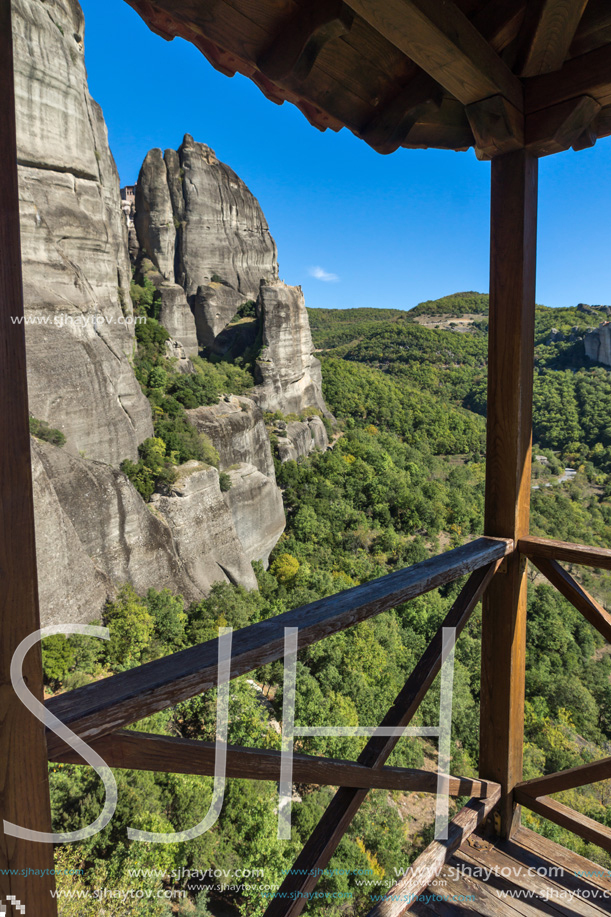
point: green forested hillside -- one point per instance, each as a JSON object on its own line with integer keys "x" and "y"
{"x": 404, "y": 480}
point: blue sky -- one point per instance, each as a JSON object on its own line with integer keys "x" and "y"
{"x": 382, "y": 231}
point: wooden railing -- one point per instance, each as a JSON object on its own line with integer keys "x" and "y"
{"x": 97, "y": 712}
{"x": 535, "y": 794}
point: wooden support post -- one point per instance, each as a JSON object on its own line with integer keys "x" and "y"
{"x": 508, "y": 456}
{"x": 24, "y": 788}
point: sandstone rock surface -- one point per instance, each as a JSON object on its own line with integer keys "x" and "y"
{"x": 74, "y": 243}
{"x": 257, "y": 510}
{"x": 296, "y": 439}
{"x": 203, "y": 529}
{"x": 94, "y": 532}
{"x": 597, "y": 344}
{"x": 287, "y": 372}
{"x": 237, "y": 430}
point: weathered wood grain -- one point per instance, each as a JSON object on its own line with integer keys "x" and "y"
{"x": 444, "y": 43}
{"x": 548, "y": 32}
{"x": 428, "y": 865}
{"x": 24, "y": 788}
{"x": 508, "y": 459}
{"x": 107, "y": 705}
{"x": 568, "y": 779}
{"x": 567, "y": 818}
{"x": 592, "y": 610}
{"x": 561, "y": 126}
{"x": 323, "y": 842}
{"x": 166, "y": 754}
{"x": 296, "y": 46}
{"x": 565, "y": 552}
{"x": 588, "y": 75}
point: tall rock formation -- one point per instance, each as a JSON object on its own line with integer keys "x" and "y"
{"x": 597, "y": 344}
{"x": 75, "y": 265}
{"x": 287, "y": 372}
{"x": 205, "y": 233}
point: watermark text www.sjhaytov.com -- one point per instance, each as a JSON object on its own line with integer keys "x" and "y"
{"x": 66, "y": 320}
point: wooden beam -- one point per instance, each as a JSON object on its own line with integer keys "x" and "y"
{"x": 296, "y": 47}
{"x": 568, "y": 779}
{"x": 498, "y": 127}
{"x": 107, "y": 705}
{"x": 562, "y": 815}
{"x": 390, "y": 126}
{"x": 438, "y": 37}
{"x": 565, "y": 552}
{"x": 592, "y": 610}
{"x": 548, "y": 31}
{"x": 429, "y": 864}
{"x": 499, "y": 22}
{"x": 554, "y": 129}
{"x": 594, "y": 29}
{"x": 24, "y": 783}
{"x": 508, "y": 461}
{"x": 165, "y": 754}
{"x": 588, "y": 75}
{"x": 321, "y": 845}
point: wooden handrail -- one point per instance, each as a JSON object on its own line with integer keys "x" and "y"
{"x": 167, "y": 754}
{"x": 592, "y": 610}
{"x": 568, "y": 779}
{"x": 105, "y": 706}
{"x": 323, "y": 841}
{"x": 430, "y": 862}
{"x": 562, "y": 815}
{"x": 564, "y": 551}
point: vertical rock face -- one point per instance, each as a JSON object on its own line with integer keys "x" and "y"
{"x": 288, "y": 374}
{"x": 200, "y": 225}
{"x": 94, "y": 533}
{"x": 597, "y": 344}
{"x": 257, "y": 510}
{"x": 297, "y": 439}
{"x": 203, "y": 529}
{"x": 238, "y": 433}
{"x": 75, "y": 264}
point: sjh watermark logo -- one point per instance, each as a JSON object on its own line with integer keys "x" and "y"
{"x": 11, "y": 899}
{"x": 289, "y": 732}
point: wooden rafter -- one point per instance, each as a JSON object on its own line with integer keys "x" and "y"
{"x": 562, "y": 815}
{"x": 296, "y": 47}
{"x": 323, "y": 842}
{"x": 565, "y": 552}
{"x": 107, "y": 705}
{"x": 430, "y": 862}
{"x": 588, "y": 75}
{"x": 548, "y": 31}
{"x": 444, "y": 43}
{"x": 167, "y": 754}
{"x": 576, "y": 595}
{"x": 568, "y": 779}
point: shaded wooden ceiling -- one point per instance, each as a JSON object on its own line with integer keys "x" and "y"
{"x": 496, "y": 75}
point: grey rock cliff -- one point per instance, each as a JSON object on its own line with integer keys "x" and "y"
{"x": 296, "y": 439}
{"x": 288, "y": 374}
{"x": 197, "y": 221}
{"x": 597, "y": 344}
{"x": 238, "y": 433}
{"x": 74, "y": 243}
{"x": 257, "y": 510}
{"x": 203, "y": 529}
{"x": 95, "y": 533}
{"x": 237, "y": 430}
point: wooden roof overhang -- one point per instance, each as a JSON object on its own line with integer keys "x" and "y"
{"x": 497, "y": 75}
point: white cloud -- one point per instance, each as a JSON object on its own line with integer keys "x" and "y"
{"x": 321, "y": 274}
